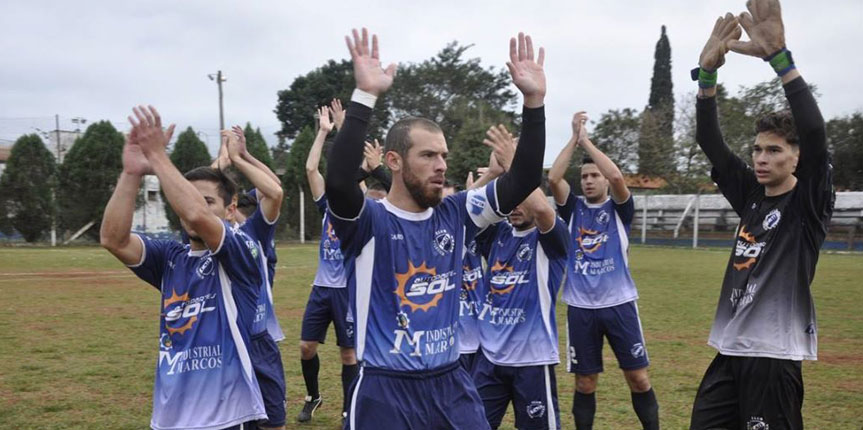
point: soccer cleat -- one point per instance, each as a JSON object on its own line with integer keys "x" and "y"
{"x": 309, "y": 409}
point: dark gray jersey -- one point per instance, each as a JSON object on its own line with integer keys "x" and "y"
{"x": 765, "y": 308}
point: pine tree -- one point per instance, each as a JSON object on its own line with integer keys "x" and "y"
{"x": 27, "y": 200}
{"x": 188, "y": 153}
{"x": 656, "y": 141}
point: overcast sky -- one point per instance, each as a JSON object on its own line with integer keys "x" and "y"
{"x": 96, "y": 59}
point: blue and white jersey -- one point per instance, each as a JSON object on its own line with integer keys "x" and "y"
{"x": 404, "y": 271}
{"x": 204, "y": 376}
{"x": 525, "y": 271}
{"x": 331, "y": 267}
{"x": 598, "y": 274}
{"x": 469, "y": 300}
{"x": 263, "y": 231}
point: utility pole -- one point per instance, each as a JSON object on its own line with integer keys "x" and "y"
{"x": 53, "y": 193}
{"x": 219, "y": 78}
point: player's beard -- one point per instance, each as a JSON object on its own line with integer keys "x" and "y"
{"x": 424, "y": 196}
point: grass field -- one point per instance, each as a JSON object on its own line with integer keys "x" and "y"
{"x": 78, "y": 340}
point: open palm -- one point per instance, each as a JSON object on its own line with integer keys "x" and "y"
{"x": 527, "y": 74}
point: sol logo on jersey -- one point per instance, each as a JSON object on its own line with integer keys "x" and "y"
{"x": 590, "y": 240}
{"x": 177, "y": 308}
{"x": 747, "y": 247}
{"x": 420, "y": 281}
{"x": 471, "y": 277}
{"x": 504, "y": 278}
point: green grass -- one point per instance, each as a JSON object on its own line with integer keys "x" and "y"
{"x": 79, "y": 333}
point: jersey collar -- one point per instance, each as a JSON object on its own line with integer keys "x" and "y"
{"x": 410, "y": 216}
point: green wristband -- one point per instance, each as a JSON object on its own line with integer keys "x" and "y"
{"x": 706, "y": 79}
{"x": 781, "y": 61}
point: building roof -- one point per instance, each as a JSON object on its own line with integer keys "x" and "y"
{"x": 644, "y": 182}
{"x": 5, "y": 152}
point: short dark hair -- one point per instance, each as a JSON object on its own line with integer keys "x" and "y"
{"x": 398, "y": 138}
{"x": 247, "y": 204}
{"x": 780, "y": 123}
{"x": 227, "y": 187}
{"x": 378, "y": 186}
{"x": 587, "y": 160}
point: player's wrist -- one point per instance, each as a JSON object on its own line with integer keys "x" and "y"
{"x": 706, "y": 77}
{"x": 534, "y": 101}
{"x": 363, "y": 97}
{"x": 781, "y": 61}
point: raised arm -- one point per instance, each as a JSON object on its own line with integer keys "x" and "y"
{"x": 763, "y": 24}
{"x": 556, "y": 181}
{"x": 619, "y": 190}
{"x": 258, "y": 173}
{"x": 503, "y": 147}
{"x": 344, "y": 194}
{"x": 544, "y": 214}
{"x": 184, "y": 198}
{"x": 116, "y": 231}
{"x": 313, "y": 160}
{"x": 525, "y": 173}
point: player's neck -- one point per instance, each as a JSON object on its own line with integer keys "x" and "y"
{"x": 400, "y": 197}
{"x": 780, "y": 188}
{"x": 197, "y": 245}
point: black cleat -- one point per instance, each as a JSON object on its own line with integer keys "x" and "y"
{"x": 309, "y": 409}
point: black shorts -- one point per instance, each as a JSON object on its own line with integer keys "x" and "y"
{"x": 750, "y": 393}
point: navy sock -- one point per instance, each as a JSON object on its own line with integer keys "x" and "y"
{"x": 310, "y": 375}
{"x": 647, "y": 409}
{"x": 583, "y": 409}
{"x": 349, "y": 373}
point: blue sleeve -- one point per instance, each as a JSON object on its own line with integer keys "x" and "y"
{"x": 556, "y": 242}
{"x": 321, "y": 204}
{"x": 626, "y": 210}
{"x": 354, "y": 233}
{"x": 485, "y": 240}
{"x": 155, "y": 258}
{"x": 566, "y": 210}
{"x": 259, "y": 228}
{"x": 240, "y": 256}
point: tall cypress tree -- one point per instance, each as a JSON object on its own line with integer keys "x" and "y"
{"x": 27, "y": 200}
{"x": 189, "y": 152}
{"x": 656, "y": 142}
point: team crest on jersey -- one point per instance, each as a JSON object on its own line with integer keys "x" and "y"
{"x": 757, "y": 423}
{"x": 772, "y": 219}
{"x": 402, "y": 320}
{"x": 637, "y": 350}
{"x": 418, "y": 283}
{"x": 165, "y": 341}
{"x": 524, "y": 252}
{"x": 443, "y": 243}
{"x": 253, "y": 248}
{"x": 535, "y": 409}
{"x": 181, "y": 313}
{"x": 471, "y": 248}
{"x": 206, "y": 267}
{"x": 602, "y": 217}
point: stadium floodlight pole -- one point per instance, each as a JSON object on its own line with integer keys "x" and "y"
{"x": 219, "y": 78}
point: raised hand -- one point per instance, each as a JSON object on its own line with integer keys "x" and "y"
{"x": 527, "y": 74}
{"x": 222, "y": 161}
{"x": 763, "y": 25}
{"x": 372, "y": 153}
{"x": 147, "y": 129}
{"x": 232, "y": 143}
{"x": 468, "y": 183}
{"x": 725, "y": 32}
{"x": 369, "y": 75}
{"x": 579, "y": 132}
{"x": 240, "y": 139}
{"x": 134, "y": 161}
{"x": 338, "y": 113}
{"x": 324, "y": 123}
{"x": 502, "y": 144}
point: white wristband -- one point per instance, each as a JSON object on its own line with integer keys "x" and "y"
{"x": 364, "y": 98}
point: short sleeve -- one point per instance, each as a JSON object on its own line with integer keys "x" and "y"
{"x": 354, "y": 233}
{"x": 321, "y": 204}
{"x": 626, "y": 210}
{"x": 485, "y": 240}
{"x": 240, "y": 256}
{"x": 566, "y": 210}
{"x": 155, "y": 257}
{"x": 259, "y": 228}
{"x": 482, "y": 206}
{"x": 556, "y": 242}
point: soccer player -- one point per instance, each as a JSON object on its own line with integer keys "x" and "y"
{"x": 765, "y": 320}
{"x": 470, "y": 299}
{"x": 209, "y": 288}
{"x": 328, "y": 300}
{"x": 261, "y": 227}
{"x": 404, "y": 253}
{"x": 599, "y": 291}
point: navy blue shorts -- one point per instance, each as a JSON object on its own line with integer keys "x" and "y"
{"x": 267, "y": 362}
{"x": 466, "y": 361}
{"x": 327, "y": 305}
{"x": 251, "y": 425}
{"x": 585, "y": 329}
{"x": 531, "y": 389}
{"x": 439, "y": 399}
